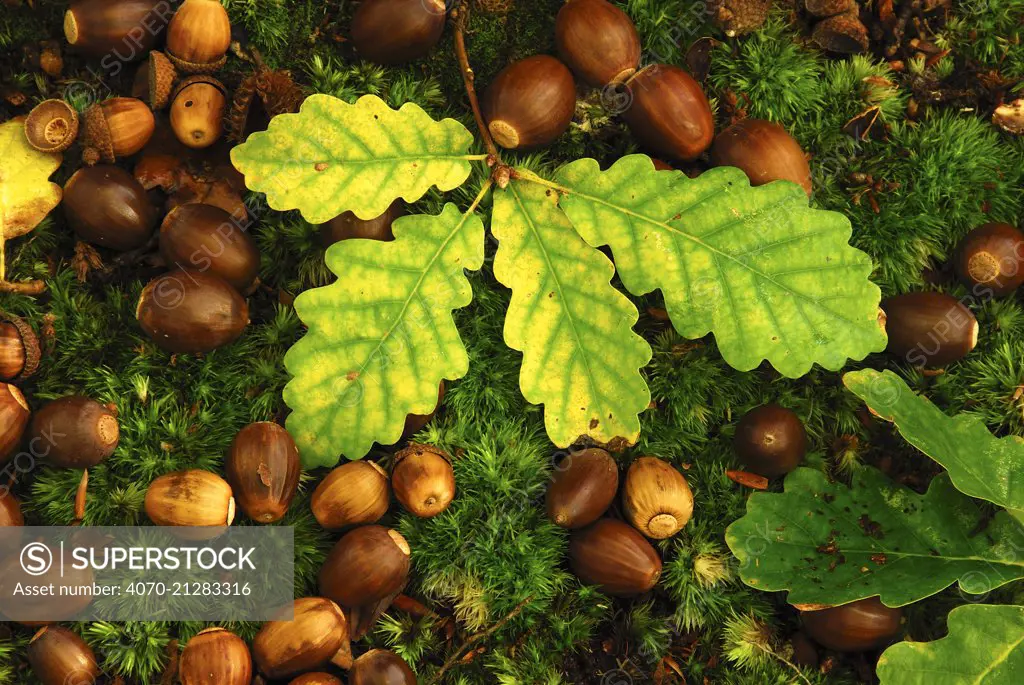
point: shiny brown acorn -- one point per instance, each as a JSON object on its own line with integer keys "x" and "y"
{"x": 115, "y": 128}
{"x": 199, "y": 36}
{"x": 215, "y": 656}
{"x": 263, "y": 470}
{"x": 59, "y": 656}
{"x": 598, "y": 41}
{"x": 530, "y": 103}
{"x": 191, "y": 311}
{"x": 351, "y": 494}
{"x": 365, "y": 566}
{"x": 122, "y": 30}
{"x": 764, "y": 151}
{"x": 190, "y": 498}
{"x": 991, "y": 259}
{"x": 106, "y": 206}
{"x": 855, "y": 627}
{"x": 381, "y": 667}
{"x": 14, "y": 415}
{"x": 347, "y": 226}
{"x": 613, "y": 556}
{"x": 669, "y": 112}
{"x": 51, "y": 126}
{"x": 414, "y": 423}
{"x": 39, "y": 610}
{"x": 770, "y": 440}
{"x": 929, "y": 328}
{"x": 397, "y": 31}
{"x": 74, "y": 432}
{"x": 309, "y": 640}
{"x": 582, "y": 488}
{"x": 207, "y": 238}
{"x": 197, "y": 111}
{"x": 316, "y": 678}
{"x": 656, "y": 498}
{"x": 19, "y": 348}
{"x": 423, "y": 480}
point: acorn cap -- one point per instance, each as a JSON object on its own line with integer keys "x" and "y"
{"x": 161, "y": 79}
{"x": 843, "y": 33}
{"x": 195, "y": 67}
{"x": 194, "y": 79}
{"x": 736, "y": 17}
{"x": 96, "y": 141}
{"x": 829, "y": 8}
{"x": 51, "y": 126}
{"x": 29, "y": 340}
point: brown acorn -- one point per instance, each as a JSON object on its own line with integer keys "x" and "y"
{"x": 51, "y": 126}
{"x": 19, "y": 348}
{"x": 929, "y": 328}
{"x": 191, "y": 311}
{"x": 598, "y": 41}
{"x": 381, "y": 667}
{"x": 423, "y": 480}
{"x": 347, "y": 226}
{"x": 119, "y": 30}
{"x": 106, "y": 206}
{"x": 530, "y": 103}
{"x": 805, "y": 653}
{"x": 669, "y": 112}
{"x": 315, "y": 679}
{"x": 770, "y": 440}
{"x": 414, "y": 423}
{"x": 190, "y": 498}
{"x": 114, "y": 128}
{"x": 582, "y": 488}
{"x": 397, "y": 31}
{"x": 39, "y": 610}
{"x": 60, "y": 657}
{"x": 991, "y": 258}
{"x": 764, "y": 151}
{"x": 14, "y": 414}
{"x": 263, "y": 470}
{"x": 197, "y": 111}
{"x": 351, "y": 494}
{"x": 199, "y": 36}
{"x": 208, "y": 239}
{"x": 309, "y": 640}
{"x": 656, "y": 498}
{"x": 616, "y": 558}
{"x": 215, "y": 656}
{"x": 74, "y": 432}
{"x": 855, "y": 627}
{"x": 10, "y": 511}
{"x": 366, "y": 565}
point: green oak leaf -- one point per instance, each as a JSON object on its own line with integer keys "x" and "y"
{"x": 769, "y": 276}
{"x": 979, "y": 464}
{"x": 985, "y": 645}
{"x": 831, "y": 544}
{"x": 581, "y": 358}
{"x": 332, "y": 157}
{"x": 382, "y": 336}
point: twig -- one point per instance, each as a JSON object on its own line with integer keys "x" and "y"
{"x": 460, "y": 18}
{"x": 23, "y": 287}
{"x": 477, "y": 637}
{"x": 80, "y": 498}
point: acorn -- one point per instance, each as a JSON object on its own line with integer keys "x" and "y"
{"x": 51, "y": 126}
{"x": 19, "y": 348}
{"x": 764, "y": 151}
{"x": 414, "y": 423}
{"x": 616, "y": 558}
{"x": 656, "y": 498}
{"x": 114, "y": 128}
{"x": 770, "y": 440}
{"x": 380, "y": 667}
{"x": 351, "y": 494}
{"x": 263, "y": 470}
{"x": 190, "y": 498}
{"x": 855, "y": 627}
{"x": 10, "y": 511}
{"x": 842, "y": 33}
{"x": 829, "y": 8}
{"x": 39, "y": 610}
{"x": 74, "y": 432}
{"x": 669, "y": 112}
{"x": 123, "y": 29}
{"x": 14, "y": 414}
{"x": 106, "y": 206}
{"x": 929, "y": 328}
{"x": 199, "y": 36}
{"x": 582, "y": 488}
{"x": 423, "y": 480}
{"x": 317, "y": 631}
{"x": 397, "y": 31}
{"x": 598, "y": 41}
{"x": 347, "y": 225}
{"x": 316, "y": 678}
{"x": 366, "y": 565}
{"x": 208, "y": 239}
{"x": 59, "y": 656}
{"x": 197, "y": 111}
{"x": 991, "y": 257}
{"x": 215, "y": 656}
{"x": 191, "y": 311}
{"x": 530, "y": 103}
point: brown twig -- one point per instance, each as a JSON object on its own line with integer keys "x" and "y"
{"x": 460, "y": 18}
{"x": 477, "y": 637}
{"x": 80, "y": 498}
{"x": 23, "y": 287}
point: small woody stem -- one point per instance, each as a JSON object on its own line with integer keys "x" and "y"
{"x": 460, "y": 18}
